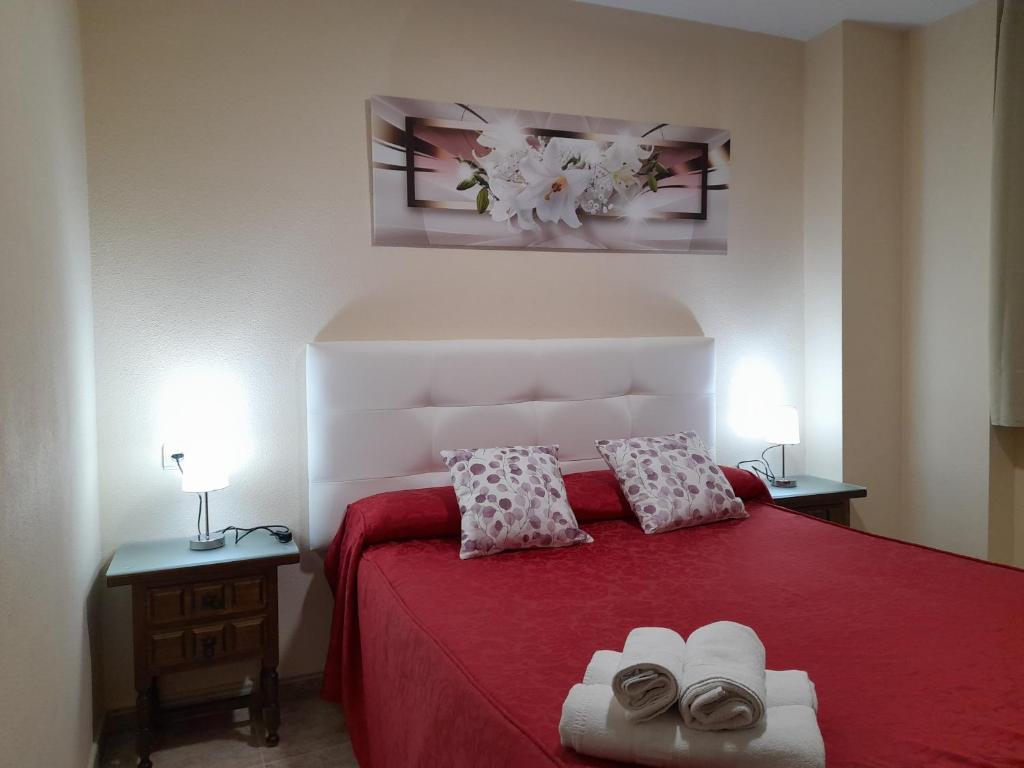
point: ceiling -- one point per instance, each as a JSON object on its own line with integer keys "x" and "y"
{"x": 800, "y": 19}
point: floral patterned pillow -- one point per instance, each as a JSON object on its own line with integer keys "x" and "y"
{"x": 671, "y": 482}
{"x": 511, "y": 498}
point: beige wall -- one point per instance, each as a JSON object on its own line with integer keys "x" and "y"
{"x": 853, "y": 187}
{"x": 823, "y": 254}
{"x": 896, "y": 204}
{"x": 946, "y": 281}
{"x": 49, "y": 551}
{"x": 872, "y": 243}
{"x": 230, "y": 210}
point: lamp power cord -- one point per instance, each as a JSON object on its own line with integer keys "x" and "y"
{"x": 760, "y": 467}
{"x": 199, "y": 518}
{"x": 280, "y": 532}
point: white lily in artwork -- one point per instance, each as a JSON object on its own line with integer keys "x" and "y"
{"x": 495, "y": 164}
{"x": 622, "y": 161}
{"x": 503, "y": 137}
{"x": 577, "y": 152}
{"x": 550, "y": 188}
{"x": 505, "y": 204}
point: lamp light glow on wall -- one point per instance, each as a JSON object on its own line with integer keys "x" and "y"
{"x": 755, "y": 387}
{"x": 203, "y": 412}
{"x": 782, "y": 429}
{"x": 203, "y": 415}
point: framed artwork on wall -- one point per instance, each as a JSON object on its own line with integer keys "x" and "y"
{"x": 459, "y": 175}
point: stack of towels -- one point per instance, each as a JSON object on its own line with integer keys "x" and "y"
{"x": 704, "y": 702}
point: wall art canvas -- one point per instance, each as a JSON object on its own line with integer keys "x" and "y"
{"x": 464, "y": 175}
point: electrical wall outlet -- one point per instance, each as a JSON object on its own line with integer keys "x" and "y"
{"x": 168, "y": 450}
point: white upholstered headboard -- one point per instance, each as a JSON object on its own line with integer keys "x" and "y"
{"x": 378, "y": 412}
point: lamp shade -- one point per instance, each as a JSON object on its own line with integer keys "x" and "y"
{"x": 199, "y": 478}
{"x": 783, "y": 426}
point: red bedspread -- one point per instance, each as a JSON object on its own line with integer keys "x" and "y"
{"x": 918, "y": 655}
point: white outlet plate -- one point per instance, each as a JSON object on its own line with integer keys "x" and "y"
{"x": 166, "y": 451}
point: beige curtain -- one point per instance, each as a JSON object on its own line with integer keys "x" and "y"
{"x": 1008, "y": 220}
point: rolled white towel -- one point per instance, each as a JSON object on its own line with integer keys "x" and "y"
{"x": 602, "y": 668}
{"x": 647, "y": 681}
{"x": 594, "y": 724}
{"x": 723, "y": 678}
{"x": 782, "y": 688}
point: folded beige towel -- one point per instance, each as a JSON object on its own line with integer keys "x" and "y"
{"x": 723, "y": 684}
{"x": 647, "y": 681}
{"x": 593, "y": 723}
{"x": 790, "y": 686}
{"x": 786, "y": 687}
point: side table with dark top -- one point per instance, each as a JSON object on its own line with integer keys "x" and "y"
{"x": 196, "y": 609}
{"x": 827, "y": 499}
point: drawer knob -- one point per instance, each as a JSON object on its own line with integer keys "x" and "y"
{"x": 212, "y": 602}
{"x": 209, "y": 647}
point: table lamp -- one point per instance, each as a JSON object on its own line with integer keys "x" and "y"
{"x": 201, "y": 478}
{"x": 783, "y": 430}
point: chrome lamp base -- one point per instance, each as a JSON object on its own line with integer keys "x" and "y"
{"x": 783, "y": 482}
{"x": 206, "y": 541}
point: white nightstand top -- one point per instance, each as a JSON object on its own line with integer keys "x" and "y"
{"x": 147, "y": 557}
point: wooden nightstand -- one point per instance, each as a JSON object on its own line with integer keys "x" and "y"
{"x": 827, "y": 499}
{"x": 194, "y": 609}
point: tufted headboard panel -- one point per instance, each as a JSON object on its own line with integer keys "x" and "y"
{"x": 378, "y": 412}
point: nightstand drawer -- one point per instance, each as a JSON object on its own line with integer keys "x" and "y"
{"x": 165, "y": 604}
{"x": 248, "y": 635}
{"x": 249, "y": 594}
{"x": 234, "y": 596}
{"x": 834, "y": 513}
{"x": 818, "y": 510}
{"x": 209, "y": 642}
{"x": 209, "y": 599}
{"x": 167, "y": 649}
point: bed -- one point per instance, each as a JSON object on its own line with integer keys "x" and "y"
{"x": 918, "y": 655}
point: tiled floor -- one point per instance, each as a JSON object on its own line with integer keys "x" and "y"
{"x": 312, "y": 736}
